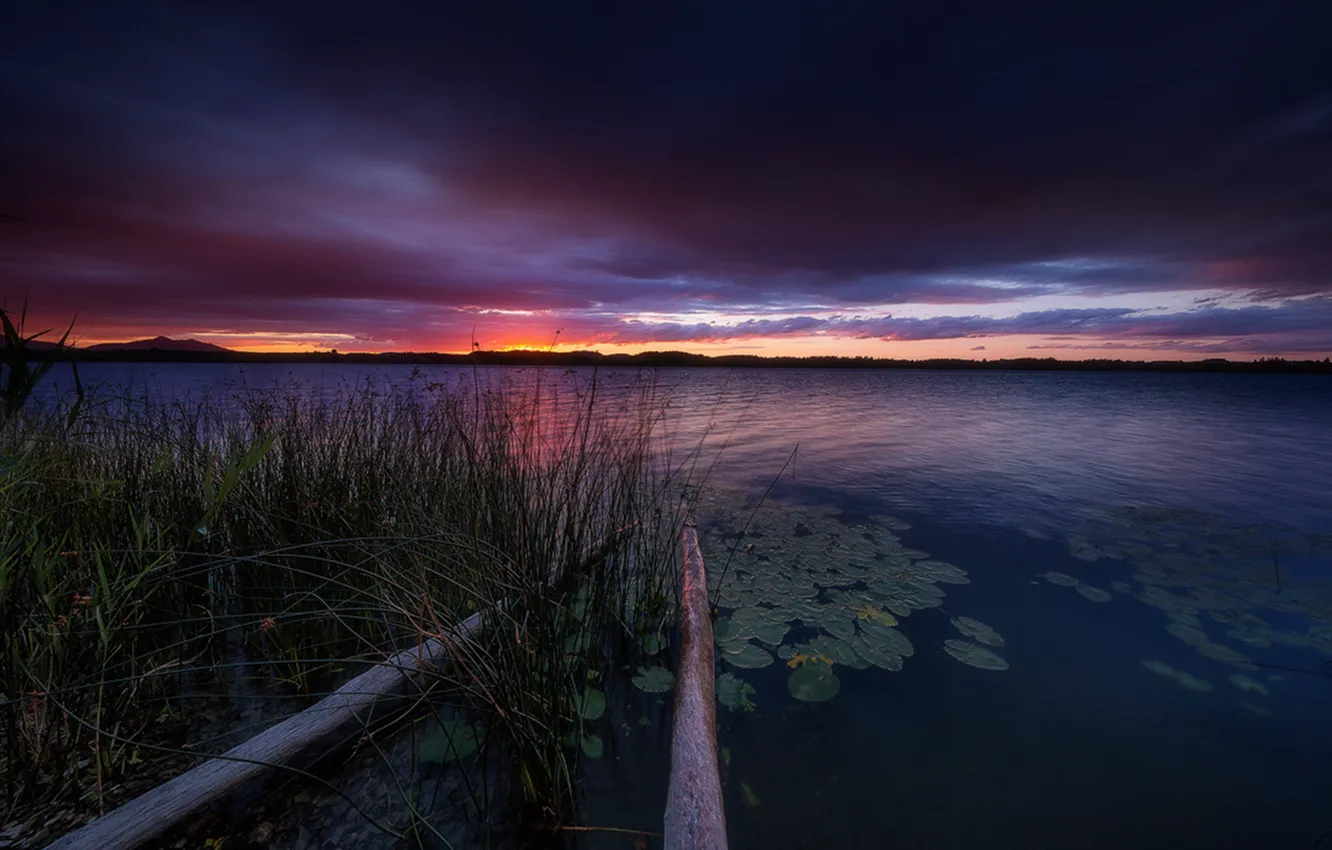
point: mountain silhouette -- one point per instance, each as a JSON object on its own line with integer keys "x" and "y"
{"x": 158, "y": 343}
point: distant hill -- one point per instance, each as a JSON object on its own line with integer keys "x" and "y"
{"x": 159, "y": 343}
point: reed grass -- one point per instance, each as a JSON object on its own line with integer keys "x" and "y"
{"x": 157, "y": 555}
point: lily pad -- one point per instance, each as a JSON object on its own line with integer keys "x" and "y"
{"x": 750, "y": 657}
{"x": 1244, "y": 683}
{"x": 843, "y": 628}
{"x": 974, "y": 655}
{"x": 941, "y": 571}
{"x": 653, "y": 643}
{"x": 1095, "y": 594}
{"x": 734, "y": 692}
{"x": 747, "y": 619}
{"x": 1188, "y": 680}
{"x": 844, "y": 652}
{"x": 877, "y": 634}
{"x": 869, "y": 612}
{"x": 724, "y": 629}
{"x": 878, "y": 654}
{"x": 592, "y": 746}
{"x": 1189, "y": 634}
{"x": 1062, "y": 579}
{"x": 654, "y": 680}
{"x": 813, "y": 682}
{"x": 978, "y": 631}
{"x": 770, "y": 633}
{"x": 593, "y": 704}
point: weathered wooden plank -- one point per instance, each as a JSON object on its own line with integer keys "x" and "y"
{"x": 339, "y": 715}
{"x": 695, "y": 819}
{"x": 335, "y": 718}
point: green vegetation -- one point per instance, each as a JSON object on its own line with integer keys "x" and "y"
{"x": 158, "y": 558}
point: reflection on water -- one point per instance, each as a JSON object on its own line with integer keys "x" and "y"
{"x": 1000, "y": 610}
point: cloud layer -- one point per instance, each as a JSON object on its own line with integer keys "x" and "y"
{"x": 803, "y": 169}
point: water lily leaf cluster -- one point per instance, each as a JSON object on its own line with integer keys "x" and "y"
{"x": 1215, "y": 581}
{"x": 734, "y": 693}
{"x": 817, "y": 592}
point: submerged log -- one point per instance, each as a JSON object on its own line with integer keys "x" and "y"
{"x": 695, "y": 818}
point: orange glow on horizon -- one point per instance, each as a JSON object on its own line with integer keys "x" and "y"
{"x": 992, "y": 348}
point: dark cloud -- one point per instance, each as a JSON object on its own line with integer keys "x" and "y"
{"x": 1309, "y": 320}
{"x": 245, "y": 161}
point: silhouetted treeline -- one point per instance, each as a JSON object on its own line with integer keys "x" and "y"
{"x": 682, "y": 358}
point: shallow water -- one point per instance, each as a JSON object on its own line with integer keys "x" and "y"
{"x": 1009, "y": 476}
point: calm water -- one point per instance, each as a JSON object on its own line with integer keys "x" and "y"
{"x": 1198, "y": 504}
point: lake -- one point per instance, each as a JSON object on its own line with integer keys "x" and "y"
{"x": 1117, "y": 613}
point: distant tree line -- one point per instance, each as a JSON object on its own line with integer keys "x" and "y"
{"x": 652, "y": 359}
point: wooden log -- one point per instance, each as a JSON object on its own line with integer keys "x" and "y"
{"x": 341, "y": 714}
{"x": 695, "y": 819}
{"x": 335, "y": 719}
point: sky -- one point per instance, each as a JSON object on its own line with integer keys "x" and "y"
{"x": 927, "y": 179}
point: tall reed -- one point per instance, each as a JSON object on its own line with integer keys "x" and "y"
{"x": 156, "y": 552}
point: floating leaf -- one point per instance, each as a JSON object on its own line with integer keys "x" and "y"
{"x": 1191, "y": 635}
{"x": 978, "y": 631}
{"x": 1191, "y": 682}
{"x": 653, "y": 643}
{"x": 941, "y": 571}
{"x": 1095, "y": 594}
{"x": 593, "y": 704}
{"x": 878, "y": 654}
{"x": 592, "y": 747}
{"x": 843, "y": 628}
{"x": 877, "y": 634}
{"x": 813, "y": 682}
{"x": 975, "y": 655}
{"x": 770, "y": 633}
{"x": 1226, "y": 655}
{"x": 869, "y": 612}
{"x": 1244, "y": 683}
{"x": 748, "y": 619}
{"x": 724, "y": 629}
{"x": 654, "y": 680}
{"x": 747, "y": 794}
{"x": 453, "y": 739}
{"x": 734, "y": 692}
{"x": 750, "y": 657}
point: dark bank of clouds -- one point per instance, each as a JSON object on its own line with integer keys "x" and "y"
{"x": 233, "y": 160}
{"x": 1308, "y": 320}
